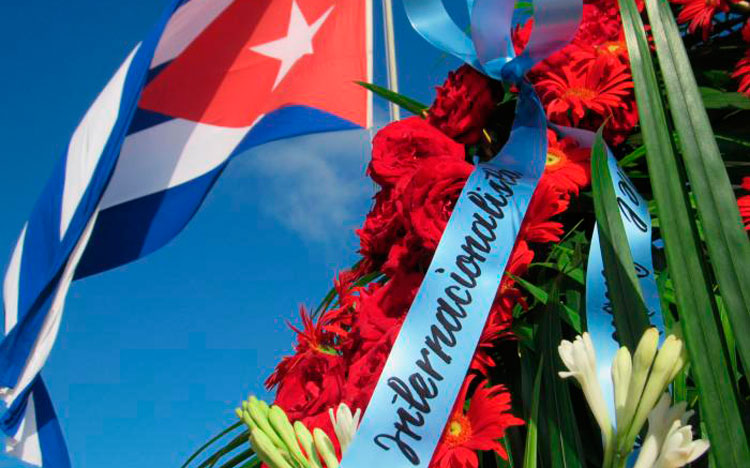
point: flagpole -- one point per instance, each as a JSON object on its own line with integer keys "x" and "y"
{"x": 390, "y": 52}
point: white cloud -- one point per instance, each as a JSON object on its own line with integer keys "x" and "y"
{"x": 314, "y": 185}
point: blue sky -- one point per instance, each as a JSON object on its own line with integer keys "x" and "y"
{"x": 153, "y": 357}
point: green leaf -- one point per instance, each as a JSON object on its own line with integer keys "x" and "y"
{"x": 683, "y": 251}
{"x": 219, "y": 454}
{"x": 633, "y": 157}
{"x": 628, "y": 308}
{"x": 575, "y": 274}
{"x": 415, "y": 107}
{"x": 718, "y": 99}
{"x": 210, "y": 442}
{"x": 558, "y": 427}
{"x": 726, "y": 239}
{"x": 530, "y": 452}
{"x": 239, "y": 458}
{"x": 571, "y": 316}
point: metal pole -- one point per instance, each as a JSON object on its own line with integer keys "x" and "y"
{"x": 390, "y": 51}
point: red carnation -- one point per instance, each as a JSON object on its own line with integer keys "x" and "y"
{"x": 462, "y": 105}
{"x": 429, "y": 198}
{"x": 383, "y": 227}
{"x": 311, "y": 381}
{"x": 399, "y": 148}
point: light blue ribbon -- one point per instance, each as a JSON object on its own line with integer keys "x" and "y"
{"x": 637, "y": 221}
{"x": 429, "y": 360}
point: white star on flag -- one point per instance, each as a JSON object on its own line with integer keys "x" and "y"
{"x": 296, "y": 44}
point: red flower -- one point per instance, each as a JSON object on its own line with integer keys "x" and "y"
{"x": 311, "y": 381}
{"x": 462, "y": 105}
{"x": 568, "y": 166}
{"x": 383, "y": 227}
{"x": 400, "y": 147}
{"x": 428, "y": 200}
{"x": 609, "y": 50}
{"x": 546, "y": 202}
{"x": 597, "y": 91}
{"x": 746, "y": 31}
{"x": 742, "y": 73}
{"x": 479, "y": 428}
{"x": 700, "y": 14}
{"x": 743, "y": 203}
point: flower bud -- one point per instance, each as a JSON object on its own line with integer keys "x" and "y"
{"x": 308, "y": 444}
{"x": 325, "y": 448}
{"x": 642, "y": 361}
{"x": 622, "y": 368}
{"x": 280, "y": 423}
{"x": 266, "y": 450}
{"x": 258, "y": 412}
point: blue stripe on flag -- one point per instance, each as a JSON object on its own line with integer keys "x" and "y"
{"x": 131, "y": 230}
{"x": 136, "y": 228}
{"x": 51, "y": 439}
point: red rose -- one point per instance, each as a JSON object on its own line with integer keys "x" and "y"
{"x": 429, "y": 198}
{"x": 463, "y": 105}
{"x": 383, "y": 228}
{"x": 399, "y": 147}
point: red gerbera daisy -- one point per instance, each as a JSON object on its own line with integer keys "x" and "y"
{"x": 570, "y": 95}
{"x": 742, "y": 73}
{"x": 585, "y": 52}
{"x": 700, "y": 14}
{"x": 744, "y": 205}
{"x": 568, "y": 166}
{"x": 479, "y": 428}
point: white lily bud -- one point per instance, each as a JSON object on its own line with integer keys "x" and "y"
{"x": 580, "y": 359}
{"x": 668, "y": 357}
{"x": 660, "y": 420}
{"x": 344, "y": 424}
{"x": 642, "y": 360}
{"x": 622, "y": 368}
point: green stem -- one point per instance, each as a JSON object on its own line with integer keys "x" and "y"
{"x": 609, "y": 449}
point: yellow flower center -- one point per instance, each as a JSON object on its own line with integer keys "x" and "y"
{"x": 554, "y": 157}
{"x": 612, "y": 47}
{"x": 459, "y": 430}
{"x": 582, "y": 93}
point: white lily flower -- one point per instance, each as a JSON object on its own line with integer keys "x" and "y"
{"x": 580, "y": 359}
{"x": 679, "y": 448}
{"x": 345, "y": 424}
{"x": 669, "y": 442}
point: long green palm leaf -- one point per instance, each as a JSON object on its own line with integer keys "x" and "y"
{"x": 725, "y": 236}
{"x": 719, "y": 406}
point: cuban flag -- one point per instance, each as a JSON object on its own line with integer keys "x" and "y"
{"x": 213, "y": 79}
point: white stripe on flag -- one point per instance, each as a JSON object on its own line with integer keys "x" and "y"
{"x": 24, "y": 445}
{"x": 88, "y": 142}
{"x": 51, "y": 325}
{"x": 10, "y": 284}
{"x": 185, "y": 25}
{"x": 167, "y": 155}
